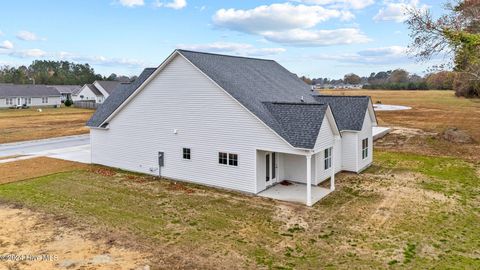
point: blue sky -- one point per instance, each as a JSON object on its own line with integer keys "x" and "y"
{"x": 317, "y": 38}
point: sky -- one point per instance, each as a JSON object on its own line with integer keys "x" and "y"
{"x": 315, "y": 38}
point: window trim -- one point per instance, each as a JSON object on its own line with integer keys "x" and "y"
{"x": 327, "y": 160}
{"x": 227, "y": 159}
{"x": 184, "y": 154}
{"x": 365, "y": 147}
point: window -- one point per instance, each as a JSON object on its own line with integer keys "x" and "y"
{"x": 186, "y": 153}
{"x": 233, "y": 159}
{"x": 29, "y": 100}
{"x": 327, "y": 162}
{"x": 223, "y": 158}
{"x": 9, "y": 101}
{"x": 228, "y": 159}
{"x": 364, "y": 148}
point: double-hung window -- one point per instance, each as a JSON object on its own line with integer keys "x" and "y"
{"x": 364, "y": 148}
{"x": 327, "y": 161}
{"x": 228, "y": 159}
{"x": 186, "y": 153}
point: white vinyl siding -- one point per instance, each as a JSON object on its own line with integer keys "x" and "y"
{"x": 195, "y": 107}
{"x": 87, "y": 94}
{"x": 366, "y": 132}
{"x": 30, "y": 101}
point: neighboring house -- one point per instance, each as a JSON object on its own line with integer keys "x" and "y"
{"x": 98, "y": 91}
{"x": 29, "y": 95}
{"x": 67, "y": 91}
{"x": 231, "y": 122}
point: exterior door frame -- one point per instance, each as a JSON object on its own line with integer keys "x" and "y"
{"x": 271, "y": 168}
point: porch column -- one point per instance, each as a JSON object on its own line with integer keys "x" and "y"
{"x": 309, "y": 179}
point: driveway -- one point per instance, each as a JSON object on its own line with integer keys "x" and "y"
{"x": 73, "y": 148}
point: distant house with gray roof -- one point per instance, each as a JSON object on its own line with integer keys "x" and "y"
{"x": 233, "y": 122}
{"x": 97, "y": 92}
{"x": 14, "y": 95}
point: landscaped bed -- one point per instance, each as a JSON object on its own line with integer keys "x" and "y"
{"x": 406, "y": 211}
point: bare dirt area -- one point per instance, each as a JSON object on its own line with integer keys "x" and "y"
{"x": 29, "y": 240}
{"x": 35, "y": 167}
{"x": 30, "y": 124}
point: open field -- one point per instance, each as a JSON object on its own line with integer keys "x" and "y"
{"x": 407, "y": 211}
{"x": 29, "y": 124}
{"x": 432, "y": 112}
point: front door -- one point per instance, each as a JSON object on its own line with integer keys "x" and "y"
{"x": 271, "y": 168}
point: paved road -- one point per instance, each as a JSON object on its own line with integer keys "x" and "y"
{"x": 49, "y": 147}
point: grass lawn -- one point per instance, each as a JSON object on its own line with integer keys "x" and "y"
{"x": 407, "y": 211}
{"x": 29, "y": 124}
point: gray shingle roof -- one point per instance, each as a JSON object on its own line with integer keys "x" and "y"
{"x": 252, "y": 82}
{"x": 349, "y": 111}
{"x": 118, "y": 96}
{"x": 109, "y": 86}
{"x": 27, "y": 90}
{"x": 300, "y": 122}
{"x": 67, "y": 89}
{"x": 95, "y": 90}
{"x": 268, "y": 90}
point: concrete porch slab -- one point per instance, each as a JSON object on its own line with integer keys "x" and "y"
{"x": 296, "y": 192}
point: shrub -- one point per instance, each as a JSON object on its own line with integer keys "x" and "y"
{"x": 68, "y": 103}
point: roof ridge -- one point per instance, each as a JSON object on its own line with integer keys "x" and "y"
{"x": 359, "y": 96}
{"x": 226, "y": 55}
{"x": 293, "y": 103}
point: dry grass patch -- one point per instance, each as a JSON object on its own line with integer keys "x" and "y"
{"x": 35, "y": 167}
{"x": 432, "y": 113}
{"x": 29, "y": 124}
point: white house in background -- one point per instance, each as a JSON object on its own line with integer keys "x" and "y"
{"x": 67, "y": 91}
{"x": 232, "y": 122}
{"x": 30, "y": 95}
{"x": 98, "y": 91}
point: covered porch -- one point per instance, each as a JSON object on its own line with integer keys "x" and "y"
{"x": 295, "y": 192}
{"x": 296, "y": 177}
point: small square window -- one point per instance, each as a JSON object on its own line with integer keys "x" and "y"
{"x": 186, "y": 153}
{"x": 233, "y": 159}
{"x": 223, "y": 158}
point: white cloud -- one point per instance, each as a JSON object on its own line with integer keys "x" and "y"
{"x": 396, "y": 11}
{"x": 7, "y": 44}
{"x": 241, "y": 49}
{"x": 380, "y": 55}
{"x": 291, "y": 24}
{"x": 276, "y": 17}
{"x": 30, "y": 53}
{"x": 28, "y": 36}
{"x": 306, "y": 38}
{"x": 353, "y": 4}
{"x": 174, "y": 4}
{"x": 131, "y": 3}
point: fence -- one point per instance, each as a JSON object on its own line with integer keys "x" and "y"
{"x": 86, "y": 104}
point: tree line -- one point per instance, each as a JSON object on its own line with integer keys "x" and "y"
{"x": 55, "y": 73}
{"x": 398, "y": 79}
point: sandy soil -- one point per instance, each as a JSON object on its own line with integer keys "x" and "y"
{"x": 24, "y": 232}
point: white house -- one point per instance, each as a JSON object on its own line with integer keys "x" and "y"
{"x": 98, "y": 91}
{"x": 232, "y": 122}
{"x": 29, "y": 95}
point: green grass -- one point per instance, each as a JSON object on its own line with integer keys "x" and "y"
{"x": 241, "y": 231}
